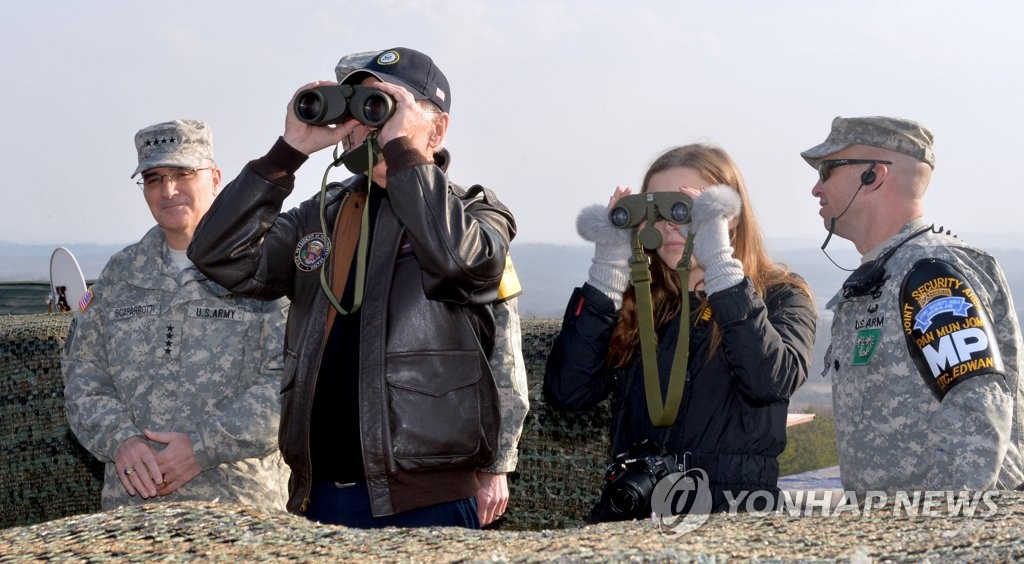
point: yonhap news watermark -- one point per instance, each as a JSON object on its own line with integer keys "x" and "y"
{"x": 829, "y": 503}
{"x": 681, "y": 502}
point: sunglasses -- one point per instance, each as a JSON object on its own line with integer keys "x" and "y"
{"x": 825, "y": 167}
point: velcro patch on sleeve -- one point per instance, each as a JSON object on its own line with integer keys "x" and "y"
{"x": 83, "y": 303}
{"x": 949, "y": 333}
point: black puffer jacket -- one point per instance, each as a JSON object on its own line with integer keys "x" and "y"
{"x": 732, "y": 421}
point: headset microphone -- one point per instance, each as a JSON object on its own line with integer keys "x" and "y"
{"x": 867, "y": 177}
{"x": 832, "y": 225}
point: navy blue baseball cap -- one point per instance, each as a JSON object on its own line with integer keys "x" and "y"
{"x": 409, "y": 69}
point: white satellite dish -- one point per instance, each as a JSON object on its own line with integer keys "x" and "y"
{"x": 67, "y": 285}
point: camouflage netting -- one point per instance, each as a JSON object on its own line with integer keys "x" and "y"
{"x": 562, "y": 456}
{"x": 232, "y": 533}
{"x": 47, "y": 482}
{"x": 45, "y": 474}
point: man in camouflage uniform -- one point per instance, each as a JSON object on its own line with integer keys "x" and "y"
{"x": 926, "y": 349}
{"x": 509, "y": 370}
{"x": 170, "y": 379}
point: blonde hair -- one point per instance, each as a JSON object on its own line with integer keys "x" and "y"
{"x": 716, "y": 167}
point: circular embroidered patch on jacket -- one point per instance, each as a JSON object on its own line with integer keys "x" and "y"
{"x": 312, "y": 251}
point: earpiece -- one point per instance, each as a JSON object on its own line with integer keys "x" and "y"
{"x": 868, "y": 176}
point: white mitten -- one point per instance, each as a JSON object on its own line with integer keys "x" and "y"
{"x": 712, "y": 211}
{"x": 609, "y": 271}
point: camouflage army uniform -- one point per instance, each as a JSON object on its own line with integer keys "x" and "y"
{"x": 169, "y": 350}
{"x": 893, "y": 433}
{"x": 509, "y": 370}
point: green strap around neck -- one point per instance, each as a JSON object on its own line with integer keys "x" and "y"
{"x": 361, "y": 252}
{"x": 662, "y": 414}
{"x": 364, "y": 236}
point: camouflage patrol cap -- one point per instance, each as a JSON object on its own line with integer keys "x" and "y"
{"x": 353, "y": 62}
{"x": 182, "y": 143}
{"x": 894, "y": 134}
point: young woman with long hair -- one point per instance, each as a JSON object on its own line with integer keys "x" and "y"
{"x": 751, "y": 331}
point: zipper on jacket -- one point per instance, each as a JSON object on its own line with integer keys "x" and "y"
{"x": 309, "y": 418}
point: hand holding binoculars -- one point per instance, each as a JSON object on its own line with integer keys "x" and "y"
{"x": 335, "y": 103}
{"x": 651, "y": 207}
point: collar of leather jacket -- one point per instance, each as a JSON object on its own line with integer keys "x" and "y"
{"x": 443, "y": 159}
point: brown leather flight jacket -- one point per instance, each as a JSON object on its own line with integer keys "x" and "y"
{"x": 429, "y": 411}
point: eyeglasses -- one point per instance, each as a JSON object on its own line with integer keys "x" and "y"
{"x": 176, "y": 176}
{"x": 825, "y": 167}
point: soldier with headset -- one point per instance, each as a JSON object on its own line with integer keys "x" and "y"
{"x": 926, "y": 349}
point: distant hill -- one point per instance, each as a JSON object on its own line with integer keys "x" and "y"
{"x": 549, "y": 273}
{"x": 31, "y": 263}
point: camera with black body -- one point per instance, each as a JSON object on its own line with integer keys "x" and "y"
{"x": 630, "y": 211}
{"x": 335, "y": 103}
{"x": 631, "y": 477}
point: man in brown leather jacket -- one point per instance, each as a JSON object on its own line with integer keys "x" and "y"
{"x": 389, "y": 407}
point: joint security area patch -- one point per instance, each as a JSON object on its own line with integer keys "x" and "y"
{"x": 949, "y": 333}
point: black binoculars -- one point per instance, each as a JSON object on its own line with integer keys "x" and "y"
{"x": 335, "y": 103}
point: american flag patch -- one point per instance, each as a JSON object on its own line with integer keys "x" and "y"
{"x": 439, "y": 93}
{"x": 83, "y": 303}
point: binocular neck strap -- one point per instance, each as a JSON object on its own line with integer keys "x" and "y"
{"x": 662, "y": 413}
{"x": 364, "y": 235}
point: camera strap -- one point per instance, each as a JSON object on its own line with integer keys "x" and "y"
{"x": 662, "y": 413}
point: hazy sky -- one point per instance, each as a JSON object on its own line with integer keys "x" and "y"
{"x": 553, "y": 103}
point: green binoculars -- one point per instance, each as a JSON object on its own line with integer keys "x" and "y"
{"x": 651, "y": 206}
{"x": 631, "y": 211}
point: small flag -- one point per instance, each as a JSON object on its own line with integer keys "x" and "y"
{"x": 83, "y": 303}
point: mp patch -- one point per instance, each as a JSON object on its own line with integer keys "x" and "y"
{"x": 312, "y": 251}
{"x": 949, "y": 333}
